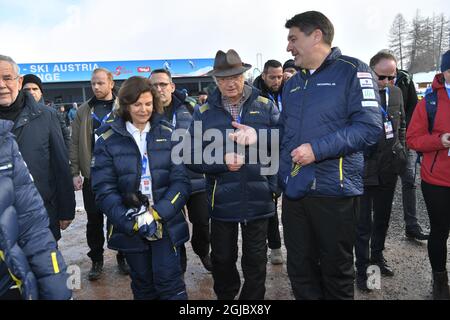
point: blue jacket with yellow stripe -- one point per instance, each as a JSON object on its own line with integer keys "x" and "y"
{"x": 116, "y": 171}
{"x": 336, "y": 110}
{"x": 239, "y": 196}
{"x": 29, "y": 257}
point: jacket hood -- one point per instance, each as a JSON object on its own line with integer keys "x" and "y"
{"x": 438, "y": 82}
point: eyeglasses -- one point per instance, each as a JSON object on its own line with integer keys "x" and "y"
{"x": 9, "y": 79}
{"x": 381, "y": 78}
{"x": 162, "y": 85}
{"x": 234, "y": 79}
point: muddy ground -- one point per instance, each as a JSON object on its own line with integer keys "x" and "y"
{"x": 409, "y": 259}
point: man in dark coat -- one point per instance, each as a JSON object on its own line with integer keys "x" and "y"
{"x": 41, "y": 143}
{"x": 33, "y": 84}
{"x": 270, "y": 82}
{"x": 382, "y": 165}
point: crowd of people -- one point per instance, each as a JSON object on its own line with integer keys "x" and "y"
{"x": 344, "y": 132}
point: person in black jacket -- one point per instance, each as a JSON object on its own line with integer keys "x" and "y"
{"x": 31, "y": 267}
{"x": 142, "y": 192}
{"x": 178, "y": 111}
{"x": 270, "y": 82}
{"x": 382, "y": 165}
{"x": 403, "y": 80}
{"x": 41, "y": 143}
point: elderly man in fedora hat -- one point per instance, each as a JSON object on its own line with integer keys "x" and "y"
{"x": 237, "y": 191}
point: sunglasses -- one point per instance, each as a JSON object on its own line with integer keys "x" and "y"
{"x": 381, "y": 78}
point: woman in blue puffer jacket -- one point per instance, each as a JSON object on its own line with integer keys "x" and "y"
{"x": 142, "y": 192}
{"x": 31, "y": 267}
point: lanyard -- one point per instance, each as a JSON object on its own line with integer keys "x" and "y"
{"x": 144, "y": 165}
{"x": 387, "y": 105}
{"x": 239, "y": 117}
{"x": 174, "y": 118}
{"x": 103, "y": 120}
{"x": 280, "y": 105}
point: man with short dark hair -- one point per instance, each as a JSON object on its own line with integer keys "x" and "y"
{"x": 331, "y": 114}
{"x": 178, "y": 111}
{"x": 270, "y": 82}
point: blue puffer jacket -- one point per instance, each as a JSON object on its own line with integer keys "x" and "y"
{"x": 246, "y": 194}
{"x": 116, "y": 171}
{"x": 28, "y": 252}
{"x": 336, "y": 110}
{"x": 183, "y": 116}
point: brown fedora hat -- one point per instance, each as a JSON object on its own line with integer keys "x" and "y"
{"x": 228, "y": 64}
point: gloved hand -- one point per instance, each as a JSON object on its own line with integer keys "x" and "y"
{"x": 146, "y": 225}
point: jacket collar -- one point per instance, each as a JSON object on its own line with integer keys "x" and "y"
{"x": 31, "y": 110}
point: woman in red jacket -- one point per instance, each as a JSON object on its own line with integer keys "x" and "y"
{"x": 435, "y": 170}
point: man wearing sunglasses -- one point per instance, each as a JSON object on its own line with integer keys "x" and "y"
{"x": 382, "y": 165}
{"x": 403, "y": 80}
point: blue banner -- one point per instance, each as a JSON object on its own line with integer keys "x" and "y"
{"x": 82, "y": 71}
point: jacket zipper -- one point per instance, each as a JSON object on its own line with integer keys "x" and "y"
{"x": 434, "y": 161}
{"x": 213, "y": 194}
{"x": 341, "y": 171}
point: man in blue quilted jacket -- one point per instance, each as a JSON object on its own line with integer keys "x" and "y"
{"x": 31, "y": 267}
{"x": 331, "y": 114}
{"x": 238, "y": 191}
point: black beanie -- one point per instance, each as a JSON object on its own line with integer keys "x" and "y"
{"x": 290, "y": 64}
{"x": 31, "y": 78}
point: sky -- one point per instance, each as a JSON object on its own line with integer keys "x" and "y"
{"x": 81, "y": 30}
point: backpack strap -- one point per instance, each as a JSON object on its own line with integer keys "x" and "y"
{"x": 431, "y": 107}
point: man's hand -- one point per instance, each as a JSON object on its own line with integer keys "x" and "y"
{"x": 244, "y": 135}
{"x": 63, "y": 224}
{"x": 234, "y": 161}
{"x": 77, "y": 183}
{"x": 445, "y": 139}
{"x": 303, "y": 155}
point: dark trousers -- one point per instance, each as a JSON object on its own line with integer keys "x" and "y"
{"x": 408, "y": 178}
{"x": 437, "y": 200}
{"x": 156, "y": 273}
{"x": 273, "y": 231}
{"x": 95, "y": 233}
{"x": 198, "y": 214}
{"x": 224, "y": 254}
{"x": 11, "y": 294}
{"x": 319, "y": 234}
{"x": 376, "y": 200}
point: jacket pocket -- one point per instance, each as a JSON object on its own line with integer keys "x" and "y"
{"x": 434, "y": 161}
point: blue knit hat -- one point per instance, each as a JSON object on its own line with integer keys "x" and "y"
{"x": 445, "y": 62}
